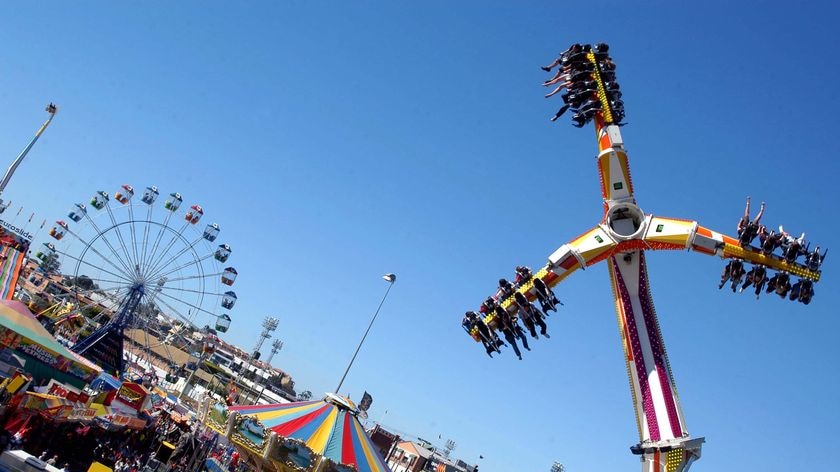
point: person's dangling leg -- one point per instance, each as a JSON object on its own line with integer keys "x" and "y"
{"x": 546, "y": 296}
{"x": 556, "y": 91}
{"x": 543, "y": 328}
{"x": 760, "y": 213}
{"x": 744, "y": 221}
{"x": 487, "y": 347}
{"x": 552, "y": 65}
{"x": 560, "y": 112}
{"x": 521, "y": 333}
{"x": 725, "y": 276}
{"x": 531, "y": 328}
{"x": 512, "y": 341}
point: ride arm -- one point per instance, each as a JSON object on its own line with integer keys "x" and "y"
{"x": 589, "y": 248}
{"x": 673, "y": 233}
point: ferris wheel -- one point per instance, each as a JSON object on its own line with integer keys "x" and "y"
{"x": 134, "y": 268}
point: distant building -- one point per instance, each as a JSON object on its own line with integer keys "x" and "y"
{"x": 383, "y": 439}
{"x": 408, "y": 456}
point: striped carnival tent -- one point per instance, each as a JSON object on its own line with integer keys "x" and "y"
{"x": 327, "y": 429}
{"x": 11, "y": 261}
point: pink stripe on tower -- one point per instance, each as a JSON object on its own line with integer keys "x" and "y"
{"x": 636, "y": 346}
{"x": 655, "y": 338}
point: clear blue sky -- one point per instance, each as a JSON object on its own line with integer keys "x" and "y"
{"x": 337, "y": 141}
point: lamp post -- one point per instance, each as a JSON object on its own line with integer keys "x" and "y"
{"x": 390, "y": 278}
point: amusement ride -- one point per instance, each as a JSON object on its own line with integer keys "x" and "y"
{"x": 51, "y": 110}
{"x": 785, "y": 264}
{"x": 142, "y": 263}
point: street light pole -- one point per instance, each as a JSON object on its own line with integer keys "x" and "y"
{"x": 390, "y": 278}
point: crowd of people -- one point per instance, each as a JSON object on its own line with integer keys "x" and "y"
{"x": 510, "y": 306}
{"x": 789, "y": 248}
{"x": 72, "y": 446}
{"x": 580, "y": 77}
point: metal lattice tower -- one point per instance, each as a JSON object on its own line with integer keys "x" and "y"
{"x": 449, "y": 447}
{"x": 269, "y": 324}
{"x": 276, "y": 345}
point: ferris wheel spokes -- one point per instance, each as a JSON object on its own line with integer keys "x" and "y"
{"x": 175, "y": 237}
{"x": 133, "y": 234}
{"x": 157, "y": 266}
{"x": 118, "y": 230}
{"x": 88, "y": 244}
{"x": 196, "y": 307}
{"x": 202, "y": 276}
{"x": 113, "y": 294}
{"x": 81, "y": 261}
{"x": 158, "y": 238}
{"x": 146, "y": 234}
{"x": 198, "y": 261}
{"x": 94, "y": 279}
{"x": 186, "y": 319}
{"x": 193, "y": 291}
{"x": 108, "y": 243}
{"x": 100, "y": 291}
{"x": 67, "y": 297}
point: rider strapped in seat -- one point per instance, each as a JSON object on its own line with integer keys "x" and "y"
{"x": 488, "y": 336}
{"x": 749, "y": 229}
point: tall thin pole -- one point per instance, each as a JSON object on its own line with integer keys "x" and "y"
{"x": 275, "y": 346}
{"x": 51, "y": 109}
{"x": 205, "y": 346}
{"x": 391, "y": 278}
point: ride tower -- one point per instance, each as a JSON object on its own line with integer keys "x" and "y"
{"x": 621, "y": 239}
{"x": 51, "y": 110}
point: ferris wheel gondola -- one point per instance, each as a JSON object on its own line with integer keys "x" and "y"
{"x": 126, "y": 267}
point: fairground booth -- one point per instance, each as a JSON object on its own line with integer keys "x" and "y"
{"x": 41, "y": 356}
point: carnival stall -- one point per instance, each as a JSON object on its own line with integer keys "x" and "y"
{"x": 123, "y": 407}
{"x": 322, "y": 435}
{"x": 45, "y": 358}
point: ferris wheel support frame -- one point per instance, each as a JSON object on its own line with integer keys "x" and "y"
{"x": 94, "y": 346}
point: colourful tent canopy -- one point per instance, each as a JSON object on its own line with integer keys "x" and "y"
{"x": 43, "y": 402}
{"x": 326, "y": 427}
{"x": 21, "y": 331}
